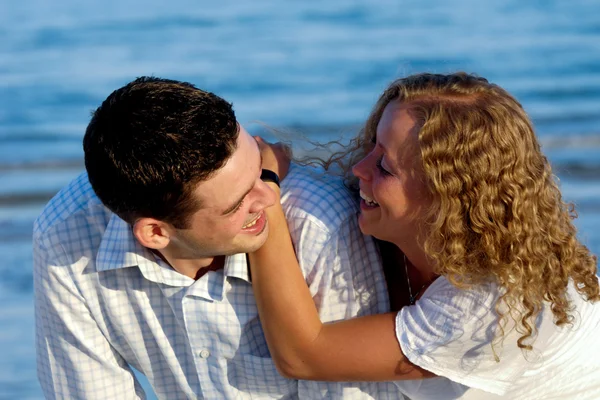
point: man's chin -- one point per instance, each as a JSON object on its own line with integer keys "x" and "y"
{"x": 257, "y": 245}
{"x": 253, "y": 244}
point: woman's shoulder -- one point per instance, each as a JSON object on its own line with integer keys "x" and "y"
{"x": 450, "y": 330}
{"x": 447, "y": 313}
{"x": 443, "y": 294}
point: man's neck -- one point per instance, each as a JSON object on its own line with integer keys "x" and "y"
{"x": 216, "y": 264}
{"x": 194, "y": 269}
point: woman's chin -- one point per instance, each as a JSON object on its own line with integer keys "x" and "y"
{"x": 365, "y": 226}
{"x": 371, "y": 229}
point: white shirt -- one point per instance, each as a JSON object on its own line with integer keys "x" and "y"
{"x": 449, "y": 332}
{"x": 105, "y": 303}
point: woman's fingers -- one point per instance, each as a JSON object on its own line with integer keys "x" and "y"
{"x": 285, "y": 150}
{"x": 275, "y": 156}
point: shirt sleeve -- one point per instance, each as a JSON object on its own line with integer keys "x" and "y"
{"x": 342, "y": 269}
{"x": 449, "y": 332}
{"x": 74, "y": 359}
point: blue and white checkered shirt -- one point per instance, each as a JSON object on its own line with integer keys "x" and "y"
{"x": 104, "y": 303}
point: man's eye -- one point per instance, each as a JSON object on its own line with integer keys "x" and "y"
{"x": 238, "y": 207}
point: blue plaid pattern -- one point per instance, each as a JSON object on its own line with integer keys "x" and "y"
{"x": 105, "y": 304}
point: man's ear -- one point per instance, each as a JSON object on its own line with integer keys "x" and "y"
{"x": 152, "y": 233}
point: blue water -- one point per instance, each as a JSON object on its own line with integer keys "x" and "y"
{"x": 316, "y": 67}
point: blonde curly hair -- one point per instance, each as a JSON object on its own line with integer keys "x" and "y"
{"x": 497, "y": 214}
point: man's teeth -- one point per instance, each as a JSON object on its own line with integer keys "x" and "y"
{"x": 251, "y": 223}
{"x": 367, "y": 199}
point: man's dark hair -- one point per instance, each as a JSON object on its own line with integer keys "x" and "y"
{"x": 151, "y": 142}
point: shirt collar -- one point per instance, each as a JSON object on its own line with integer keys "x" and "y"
{"x": 214, "y": 284}
{"x": 236, "y": 266}
{"x": 120, "y": 249}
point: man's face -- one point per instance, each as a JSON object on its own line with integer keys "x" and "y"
{"x": 231, "y": 218}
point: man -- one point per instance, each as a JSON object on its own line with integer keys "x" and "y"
{"x": 140, "y": 262}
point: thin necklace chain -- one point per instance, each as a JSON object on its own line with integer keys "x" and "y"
{"x": 411, "y": 298}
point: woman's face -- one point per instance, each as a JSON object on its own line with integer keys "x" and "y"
{"x": 392, "y": 188}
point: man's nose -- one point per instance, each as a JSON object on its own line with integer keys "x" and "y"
{"x": 265, "y": 197}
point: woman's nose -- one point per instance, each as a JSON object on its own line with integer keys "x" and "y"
{"x": 361, "y": 169}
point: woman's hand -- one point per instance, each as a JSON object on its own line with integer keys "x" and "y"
{"x": 275, "y": 156}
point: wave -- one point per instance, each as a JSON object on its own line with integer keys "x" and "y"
{"x": 45, "y": 165}
{"x": 34, "y": 166}
{"x": 28, "y": 193}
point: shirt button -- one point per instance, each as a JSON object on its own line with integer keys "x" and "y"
{"x": 204, "y": 353}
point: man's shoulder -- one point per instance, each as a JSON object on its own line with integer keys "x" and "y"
{"x": 70, "y": 208}
{"x": 315, "y": 193}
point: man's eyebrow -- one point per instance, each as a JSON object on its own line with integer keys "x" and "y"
{"x": 237, "y": 203}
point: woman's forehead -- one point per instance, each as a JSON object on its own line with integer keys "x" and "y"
{"x": 396, "y": 124}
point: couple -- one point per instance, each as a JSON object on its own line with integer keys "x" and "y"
{"x": 140, "y": 262}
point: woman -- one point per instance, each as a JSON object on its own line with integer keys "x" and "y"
{"x": 502, "y": 298}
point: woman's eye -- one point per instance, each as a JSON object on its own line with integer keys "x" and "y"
{"x": 380, "y": 167}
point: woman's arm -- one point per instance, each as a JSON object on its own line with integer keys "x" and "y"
{"x": 302, "y": 347}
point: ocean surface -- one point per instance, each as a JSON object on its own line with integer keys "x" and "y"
{"x": 314, "y": 67}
